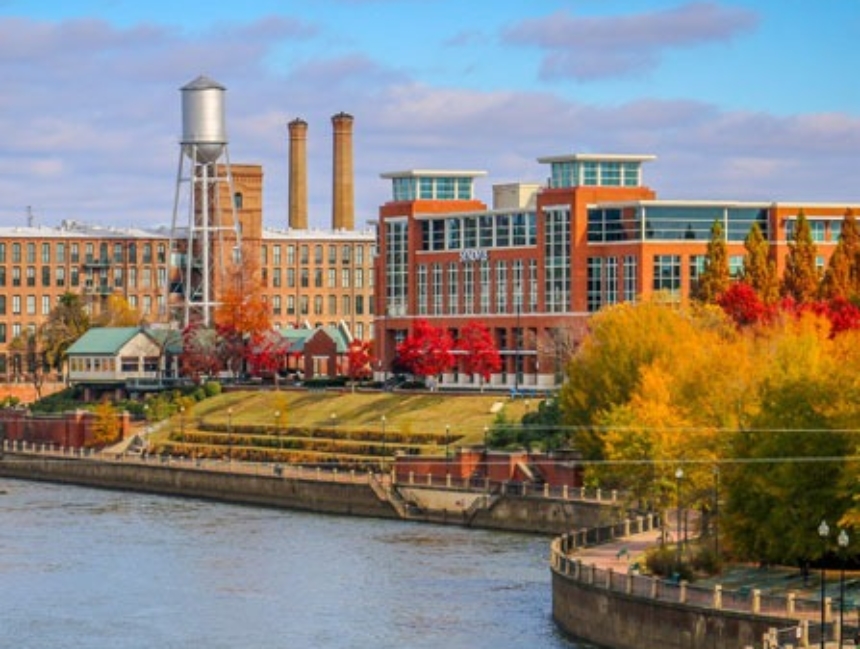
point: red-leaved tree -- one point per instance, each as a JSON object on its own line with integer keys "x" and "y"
{"x": 743, "y": 305}
{"x": 426, "y": 351}
{"x": 266, "y": 353}
{"x": 358, "y": 359}
{"x": 481, "y": 356}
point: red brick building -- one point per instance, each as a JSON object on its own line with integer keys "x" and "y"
{"x": 536, "y": 264}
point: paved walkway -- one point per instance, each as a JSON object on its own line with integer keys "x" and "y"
{"x": 621, "y": 553}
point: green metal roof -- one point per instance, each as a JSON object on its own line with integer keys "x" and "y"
{"x": 103, "y": 340}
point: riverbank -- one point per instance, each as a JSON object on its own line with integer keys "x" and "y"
{"x": 331, "y": 491}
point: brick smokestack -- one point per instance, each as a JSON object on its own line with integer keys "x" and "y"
{"x": 343, "y": 203}
{"x": 298, "y": 216}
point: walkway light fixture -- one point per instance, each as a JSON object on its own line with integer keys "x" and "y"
{"x": 230, "y": 434}
{"x": 382, "y": 420}
{"x": 823, "y": 532}
{"x": 679, "y": 475}
{"x": 842, "y": 540}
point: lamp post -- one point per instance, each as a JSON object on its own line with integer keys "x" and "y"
{"x": 182, "y": 421}
{"x": 717, "y": 515}
{"x": 447, "y": 441}
{"x": 278, "y": 429}
{"x": 823, "y": 532}
{"x": 382, "y": 420}
{"x": 229, "y": 434}
{"x": 679, "y": 474}
{"x": 842, "y": 540}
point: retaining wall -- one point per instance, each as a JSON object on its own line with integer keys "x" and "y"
{"x": 355, "y": 498}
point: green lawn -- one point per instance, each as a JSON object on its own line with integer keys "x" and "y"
{"x": 338, "y": 420}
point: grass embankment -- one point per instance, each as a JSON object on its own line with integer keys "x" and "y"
{"x": 342, "y": 427}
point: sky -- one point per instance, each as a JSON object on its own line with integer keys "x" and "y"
{"x": 738, "y": 99}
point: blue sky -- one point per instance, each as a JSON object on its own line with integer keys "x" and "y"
{"x": 740, "y": 99}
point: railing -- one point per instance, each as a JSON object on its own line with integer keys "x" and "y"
{"x": 803, "y": 616}
{"x": 328, "y": 474}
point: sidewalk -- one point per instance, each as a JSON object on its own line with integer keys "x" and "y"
{"x": 621, "y": 553}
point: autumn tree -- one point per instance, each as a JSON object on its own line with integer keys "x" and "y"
{"x": 106, "y": 426}
{"x": 480, "y": 354}
{"x": 117, "y": 312}
{"x": 759, "y": 269}
{"x": 426, "y": 351}
{"x": 66, "y": 322}
{"x": 801, "y": 277}
{"x": 29, "y": 347}
{"x": 715, "y": 277}
{"x": 358, "y": 360}
{"x": 242, "y": 314}
{"x": 792, "y": 477}
{"x": 200, "y": 351}
{"x": 743, "y": 305}
{"x": 266, "y": 353}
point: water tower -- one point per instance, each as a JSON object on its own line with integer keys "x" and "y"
{"x": 209, "y": 245}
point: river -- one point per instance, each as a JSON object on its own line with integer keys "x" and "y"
{"x": 83, "y": 568}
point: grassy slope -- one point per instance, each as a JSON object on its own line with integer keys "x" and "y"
{"x": 412, "y": 413}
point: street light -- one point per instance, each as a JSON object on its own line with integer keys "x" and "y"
{"x": 679, "y": 474}
{"x": 842, "y": 540}
{"x": 717, "y": 515}
{"x": 182, "y": 421}
{"x": 382, "y": 419}
{"x": 278, "y": 428}
{"x": 447, "y": 440}
{"x": 823, "y": 532}
{"x": 230, "y": 434}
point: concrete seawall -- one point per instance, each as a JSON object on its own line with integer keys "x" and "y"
{"x": 328, "y": 492}
{"x": 355, "y": 498}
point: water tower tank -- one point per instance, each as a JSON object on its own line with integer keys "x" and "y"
{"x": 203, "y": 119}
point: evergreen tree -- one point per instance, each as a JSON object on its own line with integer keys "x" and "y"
{"x": 836, "y": 282}
{"x": 715, "y": 278}
{"x": 759, "y": 268}
{"x": 850, "y": 241}
{"x": 801, "y": 277}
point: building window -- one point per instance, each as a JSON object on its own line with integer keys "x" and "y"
{"x": 359, "y": 255}
{"x": 318, "y": 304}
{"x": 332, "y": 304}
{"x": 2, "y": 275}
{"x": 305, "y": 278}
{"x": 359, "y": 278}
{"x": 291, "y": 305}
{"x": 611, "y": 280}
{"x": 276, "y": 277}
{"x": 422, "y": 289}
{"x": 31, "y": 253}
{"x": 31, "y": 275}
{"x": 347, "y": 305}
{"x": 31, "y": 305}
{"x": 61, "y": 253}
{"x": 276, "y": 305}
{"x": 46, "y": 275}
{"x": 594, "y": 293}
{"x": 667, "y": 274}
{"x": 75, "y": 253}
{"x": 344, "y": 278}
{"x": 16, "y": 253}
{"x": 453, "y": 288}
{"x": 291, "y": 255}
{"x": 16, "y": 276}
{"x": 2, "y": 305}
{"x": 46, "y": 253}
{"x": 501, "y": 287}
{"x": 2, "y": 253}
{"x": 318, "y": 254}
{"x": 318, "y": 277}
{"x": 238, "y": 200}
{"x": 557, "y": 261}
{"x": 46, "y": 304}
{"x": 438, "y": 294}
{"x": 631, "y": 283}
{"x": 332, "y": 254}
{"x": 60, "y": 276}
{"x": 484, "y": 287}
{"x": 291, "y": 277}
{"x": 469, "y": 289}
{"x": 276, "y": 255}
{"x": 117, "y": 253}
{"x": 359, "y": 305}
